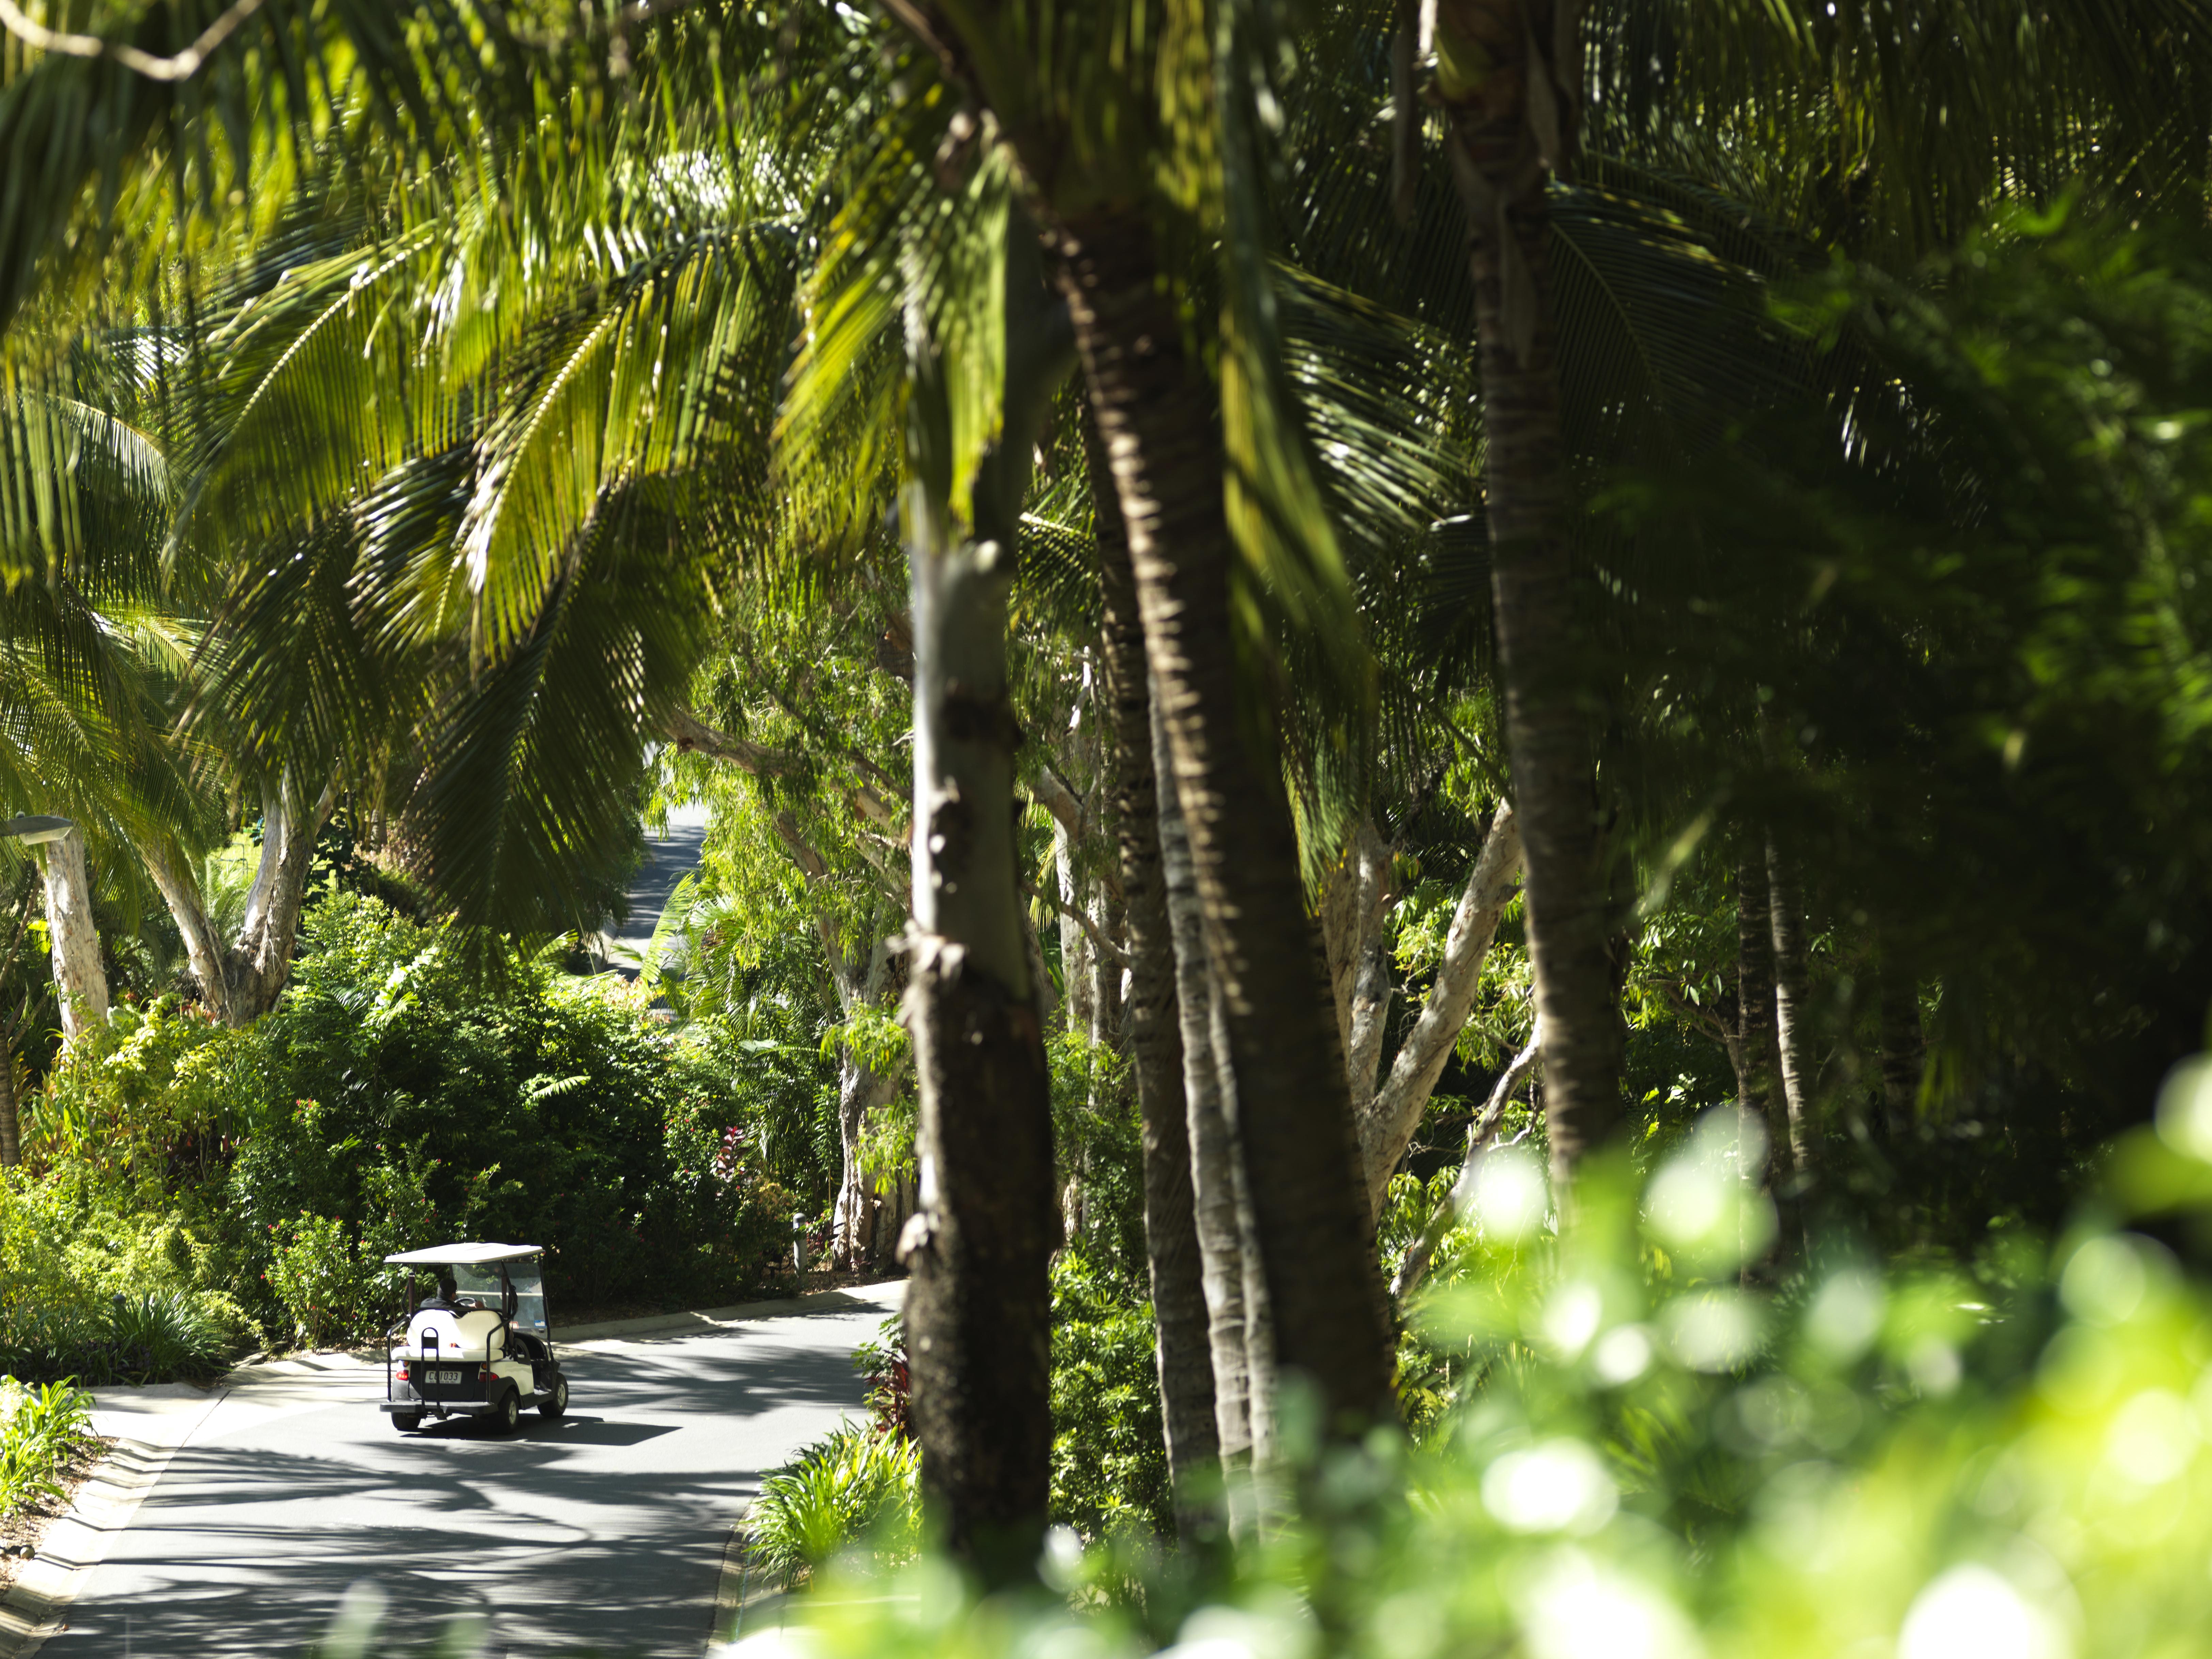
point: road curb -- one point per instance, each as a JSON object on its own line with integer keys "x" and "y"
{"x": 852, "y": 1296}
{"x": 37, "y": 1604}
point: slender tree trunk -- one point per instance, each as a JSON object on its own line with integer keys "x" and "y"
{"x": 1323, "y": 1289}
{"x": 79, "y": 981}
{"x": 1502, "y": 129}
{"x": 1261, "y": 1367}
{"x": 1108, "y": 1014}
{"x": 262, "y": 960}
{"x": 861, "y": 1090}
{"x": 979, "y": 1310}
{"x": 1791, "y": 1000}
{"x": 1179, "y": 1310}
{"x": 1215, "y": 1215}
{"x": 11, "y": 1123}
{"x": 1387, "y": 1122}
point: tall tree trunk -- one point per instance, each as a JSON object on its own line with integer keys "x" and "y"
{"x": 1157, "y": 422}
{"x": 1791, "y": 999}
{"x": 177, "y": 881}
{"x": 1387, "y": 1122}
{"x": 1757, "y": 1050}
{"x": 1108, "y": 1014}
{"x": 1504, "y": 122}
{"x": 1261, "y": 1369}
{"x": 1171, "y": 1247}
{"x": 79, "y": 981}
{"x": 979, "y": 1310}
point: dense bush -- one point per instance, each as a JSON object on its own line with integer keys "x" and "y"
{"x": 255, "y": 1179}
{"x": 410, "y": 1099}
{"x": 1647, "y": 1458}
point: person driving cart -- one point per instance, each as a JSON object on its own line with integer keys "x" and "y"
{"x": 480, "y": 1347}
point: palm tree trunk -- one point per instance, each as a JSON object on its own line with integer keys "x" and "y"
{"x": 1216, "y": 1212}
{"x": 1353, "y": 906}
{"x": 1171, "y": 1245}
{"x": 79, "y": 981}
{"x": 1791, "y": 999}
{"x": 1157, "y": 424}
{"x": 978, "y": 1308}
{"x": 1497, "y": 156}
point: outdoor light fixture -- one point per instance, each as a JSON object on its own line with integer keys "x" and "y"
{"x": 37, "y": 831}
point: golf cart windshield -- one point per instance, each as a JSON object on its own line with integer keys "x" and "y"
{"x": 529, "y": 1296}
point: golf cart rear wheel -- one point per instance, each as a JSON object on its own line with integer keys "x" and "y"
{"x": 557, "y": 1399}
{"x": 508, "y": 1414}
{"x": 406, "y": 1422}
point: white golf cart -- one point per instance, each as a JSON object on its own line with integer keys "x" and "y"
{"x": 479, "y": 1346}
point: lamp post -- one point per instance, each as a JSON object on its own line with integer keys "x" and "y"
{"x": 79, "y": 983}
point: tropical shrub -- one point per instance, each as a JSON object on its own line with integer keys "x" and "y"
{"x": 854, "y": 1489}
{"x": 155, "y": 1336}
{"x": 1643, "y": 1455}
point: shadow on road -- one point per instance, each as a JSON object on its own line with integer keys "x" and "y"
{"x": 599, "y": 1532}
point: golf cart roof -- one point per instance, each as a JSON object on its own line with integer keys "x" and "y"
{"x": 463, "y": 1255}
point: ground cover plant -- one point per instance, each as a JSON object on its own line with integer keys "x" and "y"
{"x": 43, "y": 1429}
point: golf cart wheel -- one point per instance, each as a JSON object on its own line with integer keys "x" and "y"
{"x": 406, "y": 1422}
{"x": 556, "y": 1399}
{"x": 507, "y": 1414}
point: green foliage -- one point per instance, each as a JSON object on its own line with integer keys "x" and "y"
{"x": 324, "y": 1283}
{"x": 41, "y": 1430}
{"x": 853, "y": 1489}
{"x": 1110, "y": 1464}
{"x": 1645, "y": 1456}
{"x": 155, "y": 1336}
{"x": 550, "y": 1111}
{"x": 394, "y": 1099}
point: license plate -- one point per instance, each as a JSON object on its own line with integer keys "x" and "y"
{"x": 446, "y": 1379}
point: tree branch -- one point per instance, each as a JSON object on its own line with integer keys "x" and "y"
{"x": 185, "y": 64}
{"x": 1106, "y": 947}
{"x": 1448, "y": 1213}
{"x": 1386, "y": 1124}
{"x": 692, "y": 735}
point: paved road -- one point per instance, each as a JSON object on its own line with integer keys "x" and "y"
{"x": 601, "y": 1532}
{"x": 668, "y": 860}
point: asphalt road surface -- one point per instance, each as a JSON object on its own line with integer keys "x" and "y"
{"x": 602, "y": 1532}
{"x": 668, "y": 859}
